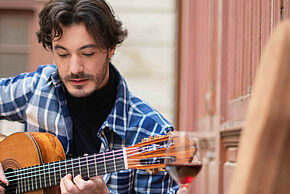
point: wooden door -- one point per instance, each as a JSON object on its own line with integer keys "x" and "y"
{"x": 220, "y": 44}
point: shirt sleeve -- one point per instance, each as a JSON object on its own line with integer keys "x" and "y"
{"x": 161, "y": 182}
{"x": 140, "y": 181}
{"x": 15, "y": 92}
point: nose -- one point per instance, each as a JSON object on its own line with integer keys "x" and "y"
{"x": 76, "y": 65}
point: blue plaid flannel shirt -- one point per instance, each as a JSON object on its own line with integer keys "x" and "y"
{"x": 38, "y": 100}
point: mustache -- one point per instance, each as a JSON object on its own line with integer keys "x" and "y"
{"x": 79, "y": 76}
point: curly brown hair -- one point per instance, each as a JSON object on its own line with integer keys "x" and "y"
{"x": 97, "y": 15}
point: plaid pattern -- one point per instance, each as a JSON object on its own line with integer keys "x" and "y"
{"x": 38, "y": 100}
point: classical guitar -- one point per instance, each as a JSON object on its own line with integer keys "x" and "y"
{"x": 35, "y": 162}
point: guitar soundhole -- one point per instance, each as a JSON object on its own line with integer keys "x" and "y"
{"x": 12, "y": 183}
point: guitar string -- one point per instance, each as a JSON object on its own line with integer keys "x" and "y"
{"x": 35, "y": 181}
{"x": 65, "y": 162}
{"x": 131, "y": 150}
{"x": 82, "y": 164}
{"x": 26, "y": 186}
{"x": 52, "y": 179}
{"x": 85, "y": 160}
{"x": 87, "y": 163}
{"x": 55, "y": 175}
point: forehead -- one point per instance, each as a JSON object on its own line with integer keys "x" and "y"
{"x": 74, "y": 35}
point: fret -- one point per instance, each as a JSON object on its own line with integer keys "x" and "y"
{"x": 95, "y": 161}
{"x": 100, "y": 165}
{"x": 80, "y": 168}
{"x": 36, "y": 177}
{"x": 49, "y": 177}
{"x": 83, "y": 168}
{"x": 120, "y": 165}
{"x": 29, "y": 175}
{"x": 18, "y": 187}
{"x": 75, "y": 165}
{"x": 54, "y": 173}
{"x": 25, "y": 180}
{"x": 44, "y": 176}
{"x": 70, "y": 168}
{"x": 92, "y": 165}
{"x": 17, "y": 178}
{"x": 114, "y": 161}
{"x": 30, "y": 179}
{"x": 58, "y": 171}
{"x": 21, "y": 183}
{"x": 104, "y": 156}
{"x": 67, "y": 166}
{"x": 109, "y": 162}
{"x": 41, "y": 177}
{"x": 87, "y": 163}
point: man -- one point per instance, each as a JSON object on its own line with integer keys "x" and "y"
{"x": 83, "y": 99}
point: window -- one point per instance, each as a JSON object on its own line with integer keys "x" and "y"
{"x": 15, "y": 33}
{"x": 14, "y": 41}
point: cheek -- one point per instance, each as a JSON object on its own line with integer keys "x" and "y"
{"x": 61, "y": 70}
{"x": 94, "y": 67}
{"x": 62, "y": 67}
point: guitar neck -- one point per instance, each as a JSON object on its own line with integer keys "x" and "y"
{"x": 50, "y": 174}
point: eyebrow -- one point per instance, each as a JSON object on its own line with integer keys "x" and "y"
{"x": 88, "y": 46}
{"x": 81, "y": 48}
{"x": 59, "y": 47}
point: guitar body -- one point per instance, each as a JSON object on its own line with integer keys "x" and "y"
{"x": 21, "y": 150}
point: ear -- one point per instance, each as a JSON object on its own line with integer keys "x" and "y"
{"x": 111, "y": 52}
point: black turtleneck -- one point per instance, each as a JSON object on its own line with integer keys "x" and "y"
{"x": 89, "y": 113}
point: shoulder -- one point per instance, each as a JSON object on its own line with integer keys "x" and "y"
{"x": 43, "y": 72}
{"x": 136, "y": 116}
{"x": 46, "y": 71}
{"x": 147, "y": 116}
{"x": 43, "y": 76}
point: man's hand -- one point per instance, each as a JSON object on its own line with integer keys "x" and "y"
{"x": 2, "y": 179}
{"x": 95, "y": 185}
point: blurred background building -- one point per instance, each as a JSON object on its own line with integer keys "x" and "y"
{"x": 193, "y": 60}
{"x": 147, "y": 59}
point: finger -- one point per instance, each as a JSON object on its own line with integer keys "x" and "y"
{"x": 98, "y": 180}
{"x": 62, "y": 187}
{"x": 100, "y": 184}
{"x": 67, "y": 185}
{"x": 2, "y": 190}
{"x": 82, "y": 184}
{"x": 2, "y": 176}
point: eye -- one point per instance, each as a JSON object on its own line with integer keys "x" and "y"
{"x": 89, "y": 54}
{"x": 63, "y": 55}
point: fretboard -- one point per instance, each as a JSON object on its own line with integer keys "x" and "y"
{"x": 50, "y": 174}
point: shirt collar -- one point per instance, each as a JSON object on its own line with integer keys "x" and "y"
{"x": 55, "y": 77}
{"x": 117, "y": 119}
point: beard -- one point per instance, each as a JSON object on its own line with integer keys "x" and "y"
{"x": 94, "y": 81}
